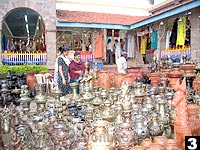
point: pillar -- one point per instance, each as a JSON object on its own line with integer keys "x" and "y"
{"x": 51, "y": 48}
{"x": 195, "y": 34}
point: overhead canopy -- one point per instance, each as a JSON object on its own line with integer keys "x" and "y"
{"x": 22, "y": 23}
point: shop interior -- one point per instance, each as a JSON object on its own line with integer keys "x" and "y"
{"x": 23, "y": 30}
{"x": 75, "y": 39}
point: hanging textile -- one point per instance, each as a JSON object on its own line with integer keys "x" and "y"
{"x": 99, "y": 46}
{"x": 143, "y": 45}
{"x": 109, "y": 32}
{"x": 181, "y": 33}
{"x": 168, "y": 39}
{"x": 148, "y": 44}
{"x": 116, "y": 32}
{"x": 154, "y": 40}
{"x": 131, "y": 46}
{"x": 173, "y": 36}
{"x": 188, "y": 32}
{"x": 126, "y": 44}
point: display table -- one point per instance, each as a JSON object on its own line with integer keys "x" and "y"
{"x": 85, "y": 55}
{"x": 176, "y": 53}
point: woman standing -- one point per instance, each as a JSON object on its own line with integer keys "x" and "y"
{"x": 76, "y": 68}
{"x": 61, "y": 72}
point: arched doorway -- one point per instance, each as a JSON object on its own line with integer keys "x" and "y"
{"x": 23, "y": 31}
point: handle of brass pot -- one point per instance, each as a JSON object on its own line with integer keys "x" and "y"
{"x": 161, "y": 126}
{"x": 143, "y": 132}
{"x": 117, "y": 143}
{"x": 167, "y": 115}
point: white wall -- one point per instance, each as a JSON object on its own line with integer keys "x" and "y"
{"x": 125, "y": 7}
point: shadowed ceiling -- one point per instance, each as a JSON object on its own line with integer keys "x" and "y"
{"x": 22, "y": 23}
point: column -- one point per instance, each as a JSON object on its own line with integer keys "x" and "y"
{"x": 51, "y": 48}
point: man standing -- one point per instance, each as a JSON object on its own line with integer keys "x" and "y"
{"x": 122, "y": 63}
{"x": 109, "y": 51}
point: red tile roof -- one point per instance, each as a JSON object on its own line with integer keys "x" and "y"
{"x": 93, "y": 17}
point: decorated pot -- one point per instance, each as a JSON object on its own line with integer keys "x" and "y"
{"x": 119, "y": 77}
{"x": 31, "y": 79}
{"x": 196, "y": 83}
{"x": 124, "y": 135}
{"x": 175, "y": 75}
{"x": 171, "y": 144}
{"x": 156, "y": 146}
{"x": 104, "y": 79}
{"x": 146, "y": 143}
{"x": 160, "y": 140}
{"x": 137, "y": 147}
{"x": 188, "y": 69}
{"x": 101, "y": 139}
{"x": 154, "y": 77}
{"x": 129, "y": 79}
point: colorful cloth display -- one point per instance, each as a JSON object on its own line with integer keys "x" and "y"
{"x": 131, "y": 46}
{"x": 181, "y": 33}
{"x": 143, "y": 45}
{"x": 99, "y": 46}
{"x": 154, "y": 40}
{"x": 176, "y": 53}
{"x": 168, "y": 39}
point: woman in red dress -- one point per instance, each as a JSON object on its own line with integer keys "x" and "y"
{"x": 76, "y": 69}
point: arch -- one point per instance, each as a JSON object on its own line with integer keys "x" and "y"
{"x": 17, "y": 8}
{"x": 47, "y": 10}
{"x": 21, "y": 28}
{"x": 13, "y": 6}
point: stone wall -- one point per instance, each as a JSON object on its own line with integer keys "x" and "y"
{"x": 47, "y": 10}
{"x": 195, "y": 34}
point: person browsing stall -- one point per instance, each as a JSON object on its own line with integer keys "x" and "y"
{"x": 76, "y": 68}
{"x": 61, "y": 72}
{"x": 122, "y": 63}
{"x": 109, "y": 51}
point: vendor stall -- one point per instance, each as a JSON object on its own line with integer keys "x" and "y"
{"x": 176, "y": 53}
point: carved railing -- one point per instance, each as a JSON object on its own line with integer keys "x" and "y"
{"x": 20, "y": 58}
{"x": 38, "y": 58}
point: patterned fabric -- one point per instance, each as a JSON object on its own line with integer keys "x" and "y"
{"x": 118, "y": 50}
{"x": 131, "y": 46}
{"x": 143, "y": 47}
{"x": 181, "y": 34}
{"x": 64, "y": 88}
{"x": 154, "y": 40}
{"x": 66, "y": 60}
{"x": 168, "y": 39}
{"x": 173, "y": 36}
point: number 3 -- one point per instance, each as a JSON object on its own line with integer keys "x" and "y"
{"x": 193, "y": 143}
